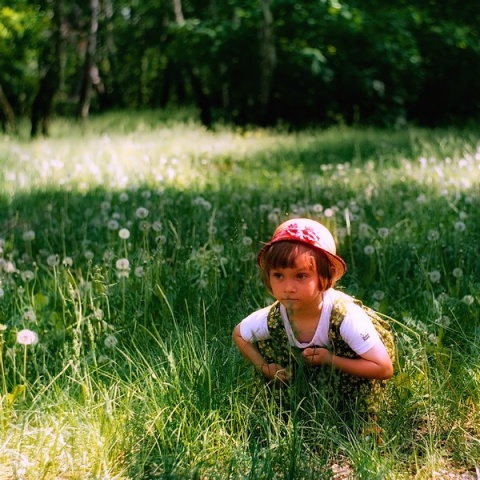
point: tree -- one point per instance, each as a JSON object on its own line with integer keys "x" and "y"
{"x": 50, "y": 82}
{"x": 90, "y": 74}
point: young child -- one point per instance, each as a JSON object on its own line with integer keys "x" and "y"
{"x": 313, "y": 331}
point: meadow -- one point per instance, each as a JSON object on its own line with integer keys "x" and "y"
{"x": 127, "y": 255}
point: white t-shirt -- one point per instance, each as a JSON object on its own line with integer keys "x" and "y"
{"x": 357, "y": 330}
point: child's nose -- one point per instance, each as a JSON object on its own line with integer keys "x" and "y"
{"x": 289, "y": 286}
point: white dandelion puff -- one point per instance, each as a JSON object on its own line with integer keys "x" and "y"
{"x": 434, "y": 276}
{"x": 141, "y": 212}
{"x": 28, "y": 236}
{"x": 27, "y": 337}
{"x": 52, "y": 260}
{"x": 124, "y": 233}
{"x": 110, "y": 341}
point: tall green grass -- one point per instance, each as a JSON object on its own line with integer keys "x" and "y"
{"x": 127, "y": 245}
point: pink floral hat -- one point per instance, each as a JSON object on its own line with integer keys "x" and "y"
{"x": 311, "y": 233}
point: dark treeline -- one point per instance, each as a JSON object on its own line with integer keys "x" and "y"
{"x": 242, "y": 61}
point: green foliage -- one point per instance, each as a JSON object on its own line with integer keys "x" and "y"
{"x": 333, "y": 62}
{"x": 128, "y": 247}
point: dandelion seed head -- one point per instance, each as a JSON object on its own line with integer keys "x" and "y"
{"x": 52, "y": 260}
{"x": 124, "y": 233}
{"x": 27, "y": 275}
{"x": 29, "y": 315}
{"x": 434, "y": 276}
{"x": 68, "y": 261}
{"x": 110, "y": 341}
{"x": 139, "y": 272}
{"x": 383, "y": 232}
{"x": 141, "y": 212}
{"x": 433, "y": 235}
{"x": 122, "y": 264}
{"x": 113, "y": 224}
{"x": 379, "y": 295}
{"x": 247, "y": 241}
{"x": 88, "y": 255}
{"x": 460, "y": 226}
{"x": 157, "y": 226}
{"x": 369, "y": 250}
{"x": 457, "y": 272}
{"x": 27, "y": 337}
{"x": 468, "y": 299}
{"x": 28, "y": 236}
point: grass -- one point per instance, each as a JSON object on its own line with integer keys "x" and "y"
{"x": 127, "y": 244}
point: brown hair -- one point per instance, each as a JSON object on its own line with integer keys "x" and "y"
{"x": 284, "y": 255}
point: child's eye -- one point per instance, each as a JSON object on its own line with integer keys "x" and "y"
{"x": 277, "y": 275}
{"x": 302, "y": 276}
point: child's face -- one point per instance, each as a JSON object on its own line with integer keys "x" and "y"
{"x": 297, "y": 288}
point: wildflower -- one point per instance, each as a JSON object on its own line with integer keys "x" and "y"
{"x": 124, "y": 233}
{"x": 378, "y": 295}
{"x": 162, "y": 239}
{"x": 460, "y": 226}
{"x": 457, "y": 272}
{"x": 29, "y": 315}
{"x": 434, "y": 276}
{"x": 123, "y": 268}
{"x": 247, "y": 241}
{"x": 88, "y": 255}
{"x": 383, "y": 232}
{"x": 122, "y": 264}
{"x": 369, "y": 250}
{"x": 157, "y": 226}
{"x": 139, "y": 272}
{"x": 68, "y": 261}
{"x": 9, "y": 267}
{"x": 141, "y": 212}
{"x": 329, "y": 212}
{"x": 27, "y": 337}
{"x": 144, "y": 226}
{"x": 27, "y": 275}
{"x": 110, "y": 341}
{"x": 444, "y": 321}
{"x": 123, "y": 197}
{"x": 28, "y": 236}
{"x": 108, "y": 256}
{"x": 433, "y": 235}
{"x": 468, "y": 299}
{"x": 52, "y": 260}
{"x": 113, "y": 224}
{"x": 433, "y": 339}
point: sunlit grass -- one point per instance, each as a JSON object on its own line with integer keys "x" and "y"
{"x": 127, "y": 244}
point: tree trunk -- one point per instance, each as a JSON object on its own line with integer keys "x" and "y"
{"x": 50, "y": 82}
{"x": 10, "y": 122}
{"x": 177, "y": 9}
{"x": 90, "y": 74}
{"x": 268, "y": 60}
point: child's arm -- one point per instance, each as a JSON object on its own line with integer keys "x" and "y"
{"x": 251, "y": 353}
{"x": 375, "y": 363}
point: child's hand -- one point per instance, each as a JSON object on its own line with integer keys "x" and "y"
{"x": 316, "y": 356}
{"x": 273, "y": 371}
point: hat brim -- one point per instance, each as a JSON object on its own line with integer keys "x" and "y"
{"x": 339, "y": 265}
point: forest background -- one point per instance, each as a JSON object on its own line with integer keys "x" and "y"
{"x": 179, "y": 135}
{"x": 245, "y": 62}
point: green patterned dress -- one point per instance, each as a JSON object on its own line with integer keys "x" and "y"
{"x": 344, "y": 392}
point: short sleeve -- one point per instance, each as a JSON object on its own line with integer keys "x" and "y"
{"x": 255, "y": 327}
{"x": 358, "y": 331}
